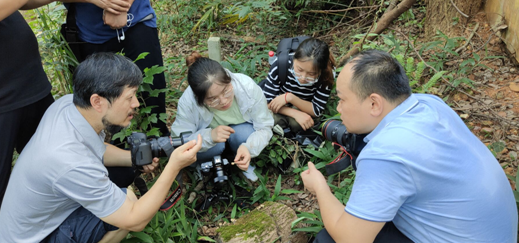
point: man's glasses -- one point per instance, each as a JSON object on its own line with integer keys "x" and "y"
{"x": 214, "y": 102}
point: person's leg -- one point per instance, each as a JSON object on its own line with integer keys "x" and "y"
{"x": 18, "y": 126}
{"x": 9, "y": 125}
{"x": 31, "y": 117}
{"x": 294, "y": 125}
{"x": 388, "y": 234}
{"x": 208, "y": 155}
{"x": 141, "y": 38}
{"x": 83, "y": 226}
{"x": 323, "y": 237}
{"x": 281, "y": 120}
{"x": 119, "y": 234}
{"x": 121, "y": 176}
{"x": 241, "y": 134}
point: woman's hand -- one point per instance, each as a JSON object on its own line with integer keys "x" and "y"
{"x": 242, "y": 159}
{"x": 221, "y": 133}
{"x": 113, "y": 6}
{"x": 114, "y": 21}
{"x": 304, "y": 120}
{"x": 278, "y": 102}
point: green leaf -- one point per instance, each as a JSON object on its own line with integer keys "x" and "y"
{"x": 142, "y": 236}
{"x": 309, "y": 229}
{"x": 233, "y": 213}
{"x": 290, "y": 191}
{"x": 205, "y": 238}
{"x": 277, "y": 189}
{"x": 141, "y": 56}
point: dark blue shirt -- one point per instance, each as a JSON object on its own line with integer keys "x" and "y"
{"x": 89, "y": 19}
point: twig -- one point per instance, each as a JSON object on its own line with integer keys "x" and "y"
{"x": 464, "y": 15}
{"x": 496, "y": 116}
{"x": 337, "y": 10}
{"x": 468, "y": 40}
{"x": 477, "y": 107}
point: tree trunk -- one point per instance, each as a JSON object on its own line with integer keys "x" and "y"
{"x": 443, "y": 14}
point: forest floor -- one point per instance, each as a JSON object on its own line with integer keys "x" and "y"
{"x": 490, "y": 108}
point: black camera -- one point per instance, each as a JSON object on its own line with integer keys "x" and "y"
{"x": 143, "y": 150}
{"x": 335, "y": 131}
{"x": 216, "y": 167}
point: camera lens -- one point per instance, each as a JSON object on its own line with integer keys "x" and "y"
{"x": 156, "y": 150}
{"x": 334, "y": 131}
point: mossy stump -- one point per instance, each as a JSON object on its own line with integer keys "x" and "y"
{"x": 269, "y": 222}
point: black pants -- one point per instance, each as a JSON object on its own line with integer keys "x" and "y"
{"x": 138, "y": 39}
{"x": 388, "y": 234}
{"x": 16, "y": 129}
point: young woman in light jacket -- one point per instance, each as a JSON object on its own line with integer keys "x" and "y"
{"x": 227, "y": 109}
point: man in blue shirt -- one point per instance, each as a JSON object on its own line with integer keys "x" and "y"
{"x": 422, "y": 177}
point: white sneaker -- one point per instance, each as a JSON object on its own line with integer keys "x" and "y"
{"x": 250, "y": 173}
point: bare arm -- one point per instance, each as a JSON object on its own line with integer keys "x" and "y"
{"x": 342, "y": 226}
{"x": 301, "y": 104}
{"x": 134, "y": 216}
{"x": 115, "y": 156}
{"x": 304, "y": 120}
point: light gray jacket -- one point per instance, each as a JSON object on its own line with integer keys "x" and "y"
{"x": 252, "y": 104}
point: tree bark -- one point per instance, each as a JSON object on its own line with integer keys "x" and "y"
{"x": 442, "y": 15}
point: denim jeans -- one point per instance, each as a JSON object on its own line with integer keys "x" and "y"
{"x": 241, "y": 133}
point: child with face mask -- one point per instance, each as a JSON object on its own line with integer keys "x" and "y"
{"x": 300, "y": 101}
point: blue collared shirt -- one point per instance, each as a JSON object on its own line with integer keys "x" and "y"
{"x": 423, "y": 169}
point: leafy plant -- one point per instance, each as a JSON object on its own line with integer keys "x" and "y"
{"x": 262, "y": 193}
{"x": 56, "y": 55}
{"x": 313, "y": 222}
{"x": 144, "y": 119}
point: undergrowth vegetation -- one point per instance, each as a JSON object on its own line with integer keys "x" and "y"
{"x": 249, "y": 29}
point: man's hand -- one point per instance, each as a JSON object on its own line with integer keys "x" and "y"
{"x": 186, "y": 154}
{"x": 276, "y": 103}
{"x": 113, "y": 6}
{"x": 151, "y": 167}
{"x": 242, "y": 159}
{"x": 115, "y": 21}
{"x": 313, "y": 179}
{"x": 221, "y": 133}
{"x": 304, "y": 120}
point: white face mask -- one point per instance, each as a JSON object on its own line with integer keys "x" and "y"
{"x": 309, "y": 81}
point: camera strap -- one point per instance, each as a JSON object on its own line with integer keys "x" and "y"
{"x": 173, "y": 198}
{"x": 343, "y": 160}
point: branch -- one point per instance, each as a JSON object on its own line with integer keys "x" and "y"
{"x": 459, "y": 11}
{"x": 337, "y": 10}
{"x": 468, "y": 40}
{"x": 381, "y": 25}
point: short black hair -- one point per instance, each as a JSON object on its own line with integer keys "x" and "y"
{"x": 378, "y": 72}
{"x": 105, "y": 74}
{"x": 202, "y": 74}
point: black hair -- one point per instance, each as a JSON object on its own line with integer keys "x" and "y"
{"x": 319, "y": 53}
{"x": 105, "y": 74}
{"x": 378, "y": 72}
{"x": 202, "y": 73}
